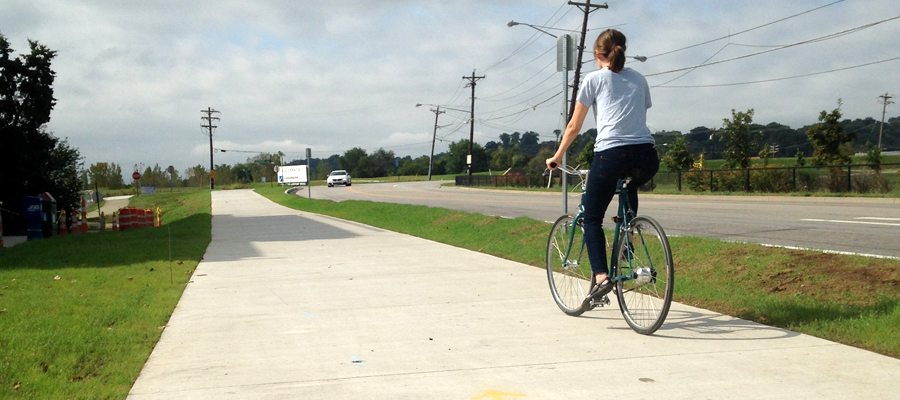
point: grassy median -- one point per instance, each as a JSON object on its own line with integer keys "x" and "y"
{"x": 847, "y": 299}
{"x": 80, "y": 314}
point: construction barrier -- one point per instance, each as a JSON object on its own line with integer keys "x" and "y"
{"x": 74, "y": 227}
{"x": 115, "y": 221}
{"x": 125, "y": 219}
{"x": 102, "y": 222}
{"x": 158, "y": 217}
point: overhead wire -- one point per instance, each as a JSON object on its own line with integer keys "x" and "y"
{"x": 747, "y": 30}
{"x": 808, "y": 41}
{"x": 779, "y": 79}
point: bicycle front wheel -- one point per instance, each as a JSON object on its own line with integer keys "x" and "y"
{"x": 568, "y": 269}
{"x": 645, "y": 261}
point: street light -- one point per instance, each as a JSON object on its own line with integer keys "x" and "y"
{"x": 514, "y": 23}
{"x": 436, "y": 112}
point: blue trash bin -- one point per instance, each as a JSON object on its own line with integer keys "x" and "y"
{"x": 34, "y": 216}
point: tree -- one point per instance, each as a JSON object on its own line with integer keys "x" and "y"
{"x": 456, "y": 158}
{"x": 106, "y": 175}
{"x": 352, "y": 161}
{"x": 740, "y": 143}
{"x": 678, "y": 158}
{"x": 379, "y": 164}
{"x": 32, "y": 159}
{"x": 873, "y": 156}
{"x": 800, "y": 160}
{"x": 831, "y": 143}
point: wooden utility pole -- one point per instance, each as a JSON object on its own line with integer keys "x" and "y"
{"x": 587, "y": 7}
{"x": 209, "y": 120}
{"x": 885, "y": 99}
{"x": 472, "y": 79}
{"x": 437, "y": 112}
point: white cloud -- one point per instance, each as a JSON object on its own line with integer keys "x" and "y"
{"x": 286, "y": 75}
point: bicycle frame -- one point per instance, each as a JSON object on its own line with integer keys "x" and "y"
{"x": 623, "y": 218}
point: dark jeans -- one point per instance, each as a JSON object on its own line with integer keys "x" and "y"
{"x": 640, "y": 162}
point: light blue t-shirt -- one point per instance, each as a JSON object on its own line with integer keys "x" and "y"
{"x": 620, "y": 102}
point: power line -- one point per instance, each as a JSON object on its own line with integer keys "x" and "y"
{"x": 746, "y": 30}
{"x": 814, "y": 40}
{"x": 777, "y": 79}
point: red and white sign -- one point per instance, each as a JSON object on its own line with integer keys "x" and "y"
{"x": 136, "y": 175}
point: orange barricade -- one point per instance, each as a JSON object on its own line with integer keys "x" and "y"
{"x": 125, "y": 219}
{"x": 158, "y": 217}
{"x": 148, "y": 217}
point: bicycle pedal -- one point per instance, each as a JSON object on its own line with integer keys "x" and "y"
{"x": 601, "y": 302}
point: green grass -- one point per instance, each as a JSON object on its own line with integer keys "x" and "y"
{"x": 848, "y": 299}
{"x": 80, "y": 314}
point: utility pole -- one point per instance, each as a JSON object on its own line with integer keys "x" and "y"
{"x": 209, "y": 121}
{"x": 472, "y": 79}
{"x": 885, "y": 99}
{"x": 436, "y": 112}
{"x": 588, "y": 8}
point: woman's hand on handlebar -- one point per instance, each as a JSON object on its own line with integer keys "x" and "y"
{"x": 553, "y": 162}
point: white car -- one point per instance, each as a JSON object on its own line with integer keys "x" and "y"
{"x": 338, "y": 177}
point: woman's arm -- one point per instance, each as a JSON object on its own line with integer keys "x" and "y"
{"x": 572, "y": 131}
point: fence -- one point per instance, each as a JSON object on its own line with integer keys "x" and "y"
{"x": 848, "y": 178}
{"x": 844, "y": 178}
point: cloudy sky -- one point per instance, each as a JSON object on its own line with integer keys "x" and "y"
{"x": 286, "y": 75}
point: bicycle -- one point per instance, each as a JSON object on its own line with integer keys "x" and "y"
{"x": 640, "y": 265}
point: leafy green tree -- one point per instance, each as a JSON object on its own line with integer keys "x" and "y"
{"x": 106, "y": 175}
{"x": 831, "y": 143}
{"x": 196, "y": 176}
{"x": 538, "y": 163}
{"x": 380, "y": 163}
{"x": 740, "y": 142}
{"x": 353, "y": 160}
{"x": 32, "y": 159}
{"x": 873, "y": 156}
{"x": 322, "y": 171}
{"x": 678, "y": 158}
{"x": 529, "y": 145}
{"x": 456, "y": 157}
{"x": 765, "y": 154}
{"x": 506, "y": 158}
{"x": 419, "y": 166}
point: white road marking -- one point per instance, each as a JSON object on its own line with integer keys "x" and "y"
{"x": 848, "y": 253}
{"x": 852, "y": 222}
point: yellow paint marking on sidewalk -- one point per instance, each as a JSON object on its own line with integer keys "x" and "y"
{"x": 494, "y": 395}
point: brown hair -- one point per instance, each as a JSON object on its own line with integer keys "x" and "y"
{"x": 611, "y": 44}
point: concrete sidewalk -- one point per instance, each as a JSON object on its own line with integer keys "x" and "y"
{"x": 291, "y": 305}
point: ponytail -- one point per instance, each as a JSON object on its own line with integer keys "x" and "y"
{"x": 611, "y": 44}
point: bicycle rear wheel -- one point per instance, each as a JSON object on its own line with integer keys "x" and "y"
{"x": 646, "y": 294}
{"x": 568, "y": 268}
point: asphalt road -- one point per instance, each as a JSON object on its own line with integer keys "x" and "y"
{"x": 853, "y": 225}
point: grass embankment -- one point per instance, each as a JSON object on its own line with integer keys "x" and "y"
{"x": 848, "y": 299}
{"x": 80, "y": 314}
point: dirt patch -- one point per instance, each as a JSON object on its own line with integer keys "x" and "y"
{"x": 447, "y": 219}
{"x": 832, "y": 277}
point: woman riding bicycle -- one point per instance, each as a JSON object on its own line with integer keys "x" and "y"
{"x": 624, "y": 147}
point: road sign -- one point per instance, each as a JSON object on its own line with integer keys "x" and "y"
{"x": 212, "y": 174}
{"x": 136, "y": 175}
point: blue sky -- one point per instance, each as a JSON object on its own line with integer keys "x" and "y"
{"x": 132, "y": 77}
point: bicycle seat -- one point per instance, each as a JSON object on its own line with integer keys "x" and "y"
{"x": 622, "y": 182}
